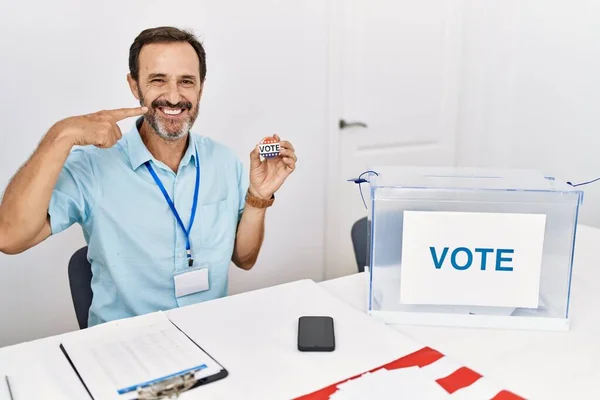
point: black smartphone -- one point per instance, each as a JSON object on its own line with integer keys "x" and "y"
{"x": 316, "y": 333}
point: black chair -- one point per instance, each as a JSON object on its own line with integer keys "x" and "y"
{"x": 80, "y": 281}
{"x": 360, "y": 240}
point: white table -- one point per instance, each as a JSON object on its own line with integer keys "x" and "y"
{"x": 253, "y": 335}
{"x": 535, "y": 364}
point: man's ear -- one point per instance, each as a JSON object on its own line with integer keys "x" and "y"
{"x": 133, "y": 85}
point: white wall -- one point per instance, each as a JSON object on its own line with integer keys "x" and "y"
{"x": 530, "y": 92}
{"x": 266, "y": 74}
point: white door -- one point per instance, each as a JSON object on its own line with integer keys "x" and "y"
{"x": 395, "y": 67}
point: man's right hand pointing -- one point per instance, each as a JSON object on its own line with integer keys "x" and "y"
{"x": 99, "y": 129}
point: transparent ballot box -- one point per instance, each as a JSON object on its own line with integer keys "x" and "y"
{"x": 470, "y": 247}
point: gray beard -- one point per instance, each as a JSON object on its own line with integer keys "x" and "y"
{"x": 161, "y": 130}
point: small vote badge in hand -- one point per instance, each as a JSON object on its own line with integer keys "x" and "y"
{"x": 269, "y": 147}
{"x": 271, "y": 162}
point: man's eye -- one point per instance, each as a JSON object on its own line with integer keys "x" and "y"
{"x": 187, "y": 82}
{"x": 158, "y": 80}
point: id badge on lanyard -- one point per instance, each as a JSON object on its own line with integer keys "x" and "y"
{"x": 195, "y": 279}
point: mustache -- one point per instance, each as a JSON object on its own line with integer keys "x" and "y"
{"x": 184, "y": 105}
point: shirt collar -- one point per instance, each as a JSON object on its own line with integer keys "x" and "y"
{"x": 139, "y": 153}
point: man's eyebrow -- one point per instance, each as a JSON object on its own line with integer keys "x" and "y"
{"x": 157, "y": 75}
{"x": 190, "y": 77}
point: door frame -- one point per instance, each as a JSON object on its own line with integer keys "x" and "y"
{"x": 334, "y": 101}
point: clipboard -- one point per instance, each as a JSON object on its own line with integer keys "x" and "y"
{"x": 166, "y": 387}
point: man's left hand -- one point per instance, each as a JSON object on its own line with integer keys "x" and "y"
{"x": 267, "y": 176}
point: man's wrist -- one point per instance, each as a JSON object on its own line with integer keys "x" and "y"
{"x": 254, "y": 193}
{"x": 61, "y": 135}
{"x": 258, "y": 201}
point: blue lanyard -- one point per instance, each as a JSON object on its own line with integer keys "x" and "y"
{"x": 187, "y": 231}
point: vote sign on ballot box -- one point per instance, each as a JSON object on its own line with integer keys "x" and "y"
{"x": 477, "y": 259}
{"x": 471, "y": 247}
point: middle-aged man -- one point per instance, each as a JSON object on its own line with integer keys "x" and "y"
{"x": 164, "y": 211}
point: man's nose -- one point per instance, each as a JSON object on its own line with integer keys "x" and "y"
{"x": 173, "y": 96}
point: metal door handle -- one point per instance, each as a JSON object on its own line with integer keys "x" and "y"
{"x": 344, "y": 124}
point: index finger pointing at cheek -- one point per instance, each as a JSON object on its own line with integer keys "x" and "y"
{"x": 123, "y": 113}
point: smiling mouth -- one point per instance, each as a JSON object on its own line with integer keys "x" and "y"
{"x": 172, "y": 112}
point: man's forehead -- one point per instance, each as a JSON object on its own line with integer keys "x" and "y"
{"x": 178, "y": 58}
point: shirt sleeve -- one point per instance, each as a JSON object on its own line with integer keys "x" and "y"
{"x": 243, "y": 183}
{"x": 74, "y": 194}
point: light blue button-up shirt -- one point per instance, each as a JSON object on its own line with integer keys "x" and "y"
{"x": 136, "y": 246}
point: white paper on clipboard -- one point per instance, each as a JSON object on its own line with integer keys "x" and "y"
{"x": 115, "y": 358}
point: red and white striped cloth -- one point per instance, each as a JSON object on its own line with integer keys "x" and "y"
{"x": 459, "y": 381}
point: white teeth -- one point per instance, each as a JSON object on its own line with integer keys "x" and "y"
{"x": 172, "y": 112}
